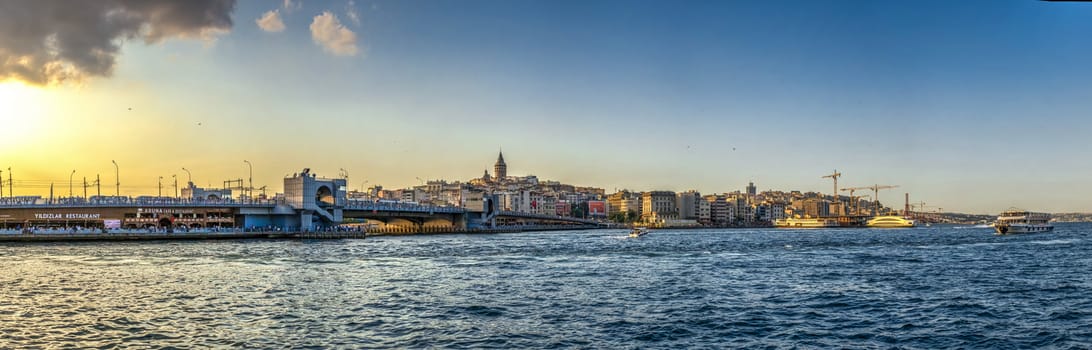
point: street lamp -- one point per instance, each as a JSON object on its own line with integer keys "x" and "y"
{"x": 189, "y": 177}
{"x": 251, "y": 178}
{"x": 70, "y": 183}
{"x": 160, "y": 187}
{"x": 175, "y": 177}
{"x": 117, "y": 179}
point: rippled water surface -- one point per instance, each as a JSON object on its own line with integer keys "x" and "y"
{"x": 939, "y": 287}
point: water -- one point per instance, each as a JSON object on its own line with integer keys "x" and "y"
{"x": 940, "y": 287}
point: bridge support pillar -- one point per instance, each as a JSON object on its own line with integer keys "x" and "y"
{"x": 305, "y": 221}
{"x": 459, "y": 221}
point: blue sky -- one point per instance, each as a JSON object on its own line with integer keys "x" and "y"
{"x": 973, "y": 106}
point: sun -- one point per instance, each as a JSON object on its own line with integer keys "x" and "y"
{"x": 22, "y": 110}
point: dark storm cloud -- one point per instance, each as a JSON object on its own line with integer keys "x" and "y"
{"x": 47, "y": 41}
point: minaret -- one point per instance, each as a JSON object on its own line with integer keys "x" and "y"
{"x": 500, "y": 170}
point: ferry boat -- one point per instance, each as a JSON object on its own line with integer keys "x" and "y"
{"x": 806, "y": 223}
{"x": 1022, "y": 221}
{"x": 890, "y": 221}
{"x": 638, "y": 232}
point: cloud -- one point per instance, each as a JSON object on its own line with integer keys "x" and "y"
{"x": 51, "y": 41}
{"x": 271, "y": 21}
{"x": 350, "y": 11}
{"x": 327, "y": 31}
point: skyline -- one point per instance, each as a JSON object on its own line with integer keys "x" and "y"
{"x": 638, "y": 95}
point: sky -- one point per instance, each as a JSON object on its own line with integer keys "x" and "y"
{"x": 969, "y": 106}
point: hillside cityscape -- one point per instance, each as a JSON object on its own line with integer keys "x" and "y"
{"x": 746, "y": 208}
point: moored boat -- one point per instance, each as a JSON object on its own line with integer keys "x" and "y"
{"x": 1022, "y": 221}
{"x": 890, "y": 221}
{"x": 806, "y": 223}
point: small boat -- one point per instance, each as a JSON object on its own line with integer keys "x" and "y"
{"x": 890, "y": 221}
{"x": 1022, "y": 221}
{"x": 638, "y": 232}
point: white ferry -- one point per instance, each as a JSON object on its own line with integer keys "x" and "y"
{"x": 806, "y": 223}
{"x": 890, "y": 221}
{"x": 638, "y": 232}
{"x": 1022, "y": 221}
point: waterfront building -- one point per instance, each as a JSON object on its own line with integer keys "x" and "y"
{"x": 718, "y": 209}
{"x": 358, "y": 195}
{"x": 739, "y": 208}
{"x": 815, "y": 207}
{"x": 624, "y": 201}
{"x": 659, "y": 204}
{"x": 393, "y": 195}
{"x": 524, "y": 201}
{"x": 751, "y": 189}
{"x": 688, "y": 205}
{"x": 474, "y": 200}
{"x": 775, "y": 212}
{"x": 415, "y": 195}
{"x": 536, "y": 203}
{"x": 563, "y": 208}
{"x": 632, "y": 205}
{"x": 704, "y": 216}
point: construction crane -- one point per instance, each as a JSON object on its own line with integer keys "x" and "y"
{"x": 853, "y": 199}
{"x": 920, "y": 206}
{"x": 834, "y": 176}
{"x": 876, "y": 194}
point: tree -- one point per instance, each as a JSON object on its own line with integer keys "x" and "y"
{"x": 579, "y": 210}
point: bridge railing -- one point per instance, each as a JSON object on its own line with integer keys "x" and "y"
{"x": 36, "y": 201}
{"x": 401, "y": 206}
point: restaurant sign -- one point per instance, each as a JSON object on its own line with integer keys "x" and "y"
{"x": 67, "y": 216}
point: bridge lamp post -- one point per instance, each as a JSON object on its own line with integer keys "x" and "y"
{"x": 160, "y": 186}
{"x": 250, "y": 178}
{"x": 117, "y": 179}
{"x": 189, "y": 177}
{"x": 175, "y": 177}
{"x": 70, "y": 183}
